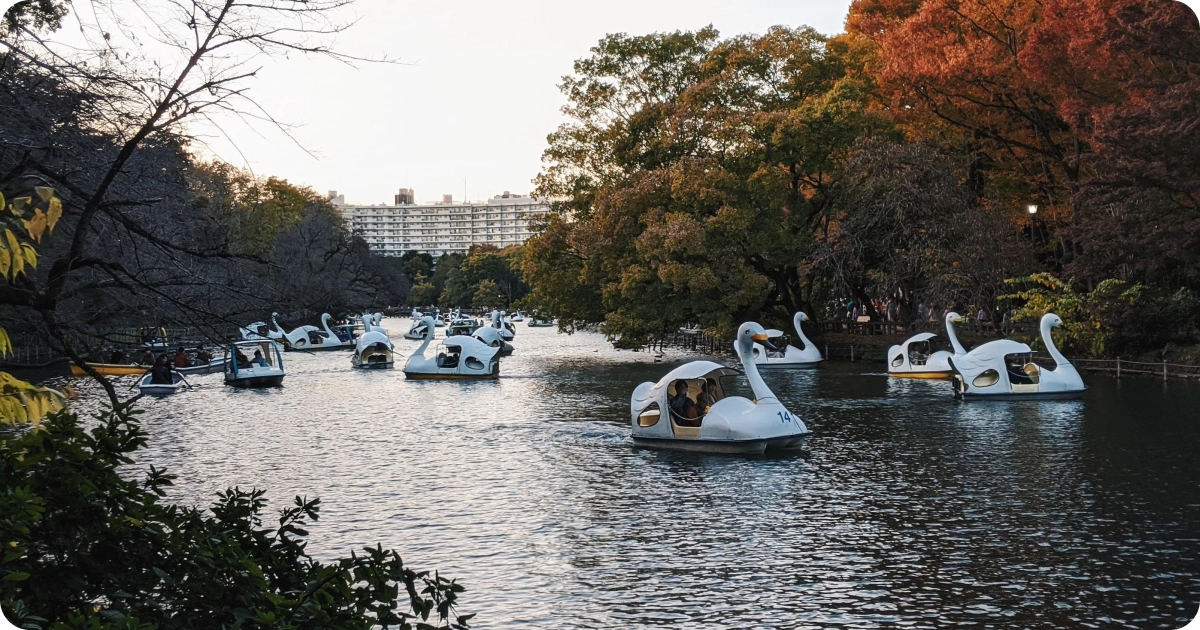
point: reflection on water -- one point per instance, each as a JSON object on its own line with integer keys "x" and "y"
{"x": 904, "y": 508}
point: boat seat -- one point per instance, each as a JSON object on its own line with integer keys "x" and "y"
{"x": 1025, "y": 389}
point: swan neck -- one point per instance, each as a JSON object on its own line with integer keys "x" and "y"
{"x": 800, "y": 331}
{"x": 954, "y": 343}
{"x": 1048, "y": 339}
{"x": 428, "y": 337}
{"x": 757, "y": 384}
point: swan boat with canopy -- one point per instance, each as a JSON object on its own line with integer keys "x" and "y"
{"x": 260, "y": 330}
{"x": 688, "y": 409}
{"x": 913, "y": 359}
{"x": 1004, "y": 369}
{"x": 517, "y": 317}
{"x": 373, "y": 351}
{"x": 417, "y": 331}
{"x": 491, "y": 337}
{"x": 457, "y": 358}
{"x": 790, "y": 356}
{"x": 313, "y": 338}
{"x": 245, "y": 370}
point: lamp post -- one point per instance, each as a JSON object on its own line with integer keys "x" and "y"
{"x": 1032, "y": 208}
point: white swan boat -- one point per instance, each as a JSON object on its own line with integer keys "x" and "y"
{"x": 313, "y": 338}
{"x": 491, "y": 337}
{"x": 243, "y": 368}
{"x": 790, "y": 356}
{"x": 260, "y": 330}
{"x": 1005, "y": 369}
{"x": 913, "y": 359}
{"x": 162, "y": 389}
{"x": 457, "y": 357}
{"x": 417, "y": 331}
{"x": 505, "y": 328}
{"x": 373, "y": 351}
{"x": 731, "y": 424}
{"x": 517, "y": 316}
{"x": 462, "y": 326}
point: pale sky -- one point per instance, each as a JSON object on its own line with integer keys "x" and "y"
{"x": 479, "y": 99}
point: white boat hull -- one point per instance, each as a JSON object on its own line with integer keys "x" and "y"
{"x": 160, "y": 389}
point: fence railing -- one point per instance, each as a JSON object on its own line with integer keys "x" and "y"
{"x": 1120, "y": 367}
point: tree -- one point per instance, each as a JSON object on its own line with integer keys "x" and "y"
{"x": 486, "y": 294}
{"x": 695, "y": 173}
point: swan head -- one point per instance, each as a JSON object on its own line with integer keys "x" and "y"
{"x": 801, "y": 317}
{"x": 1051, "y": 320}
{"x": 953, "y": 318}
{"x": 750, "y": 333}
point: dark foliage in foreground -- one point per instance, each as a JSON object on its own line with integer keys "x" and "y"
{"x": 85, "y": 547}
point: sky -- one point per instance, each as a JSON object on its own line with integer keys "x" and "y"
{"x": 478, "y": 99}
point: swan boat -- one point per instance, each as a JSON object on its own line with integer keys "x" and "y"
{"x": 161, "y": 389}
{"x": 457, "y": 358}
{"x": 240, "y": 372}
{"x": 912, "y": 359}
{"x": 1004, "y": 369}
{"x": 491, "y": 337}
{"x": 373, "y": 351}
{"x": 517, "y": 317}
{"x": 313, "y": 338}
{"x": 730, "y": 425}
{"x": 417, "y": 331}
{"x": 790, "y": 356}
{"x": 260, "y": 330}
{"x": 461, "y": 326}
{"x": 505, "y": 328}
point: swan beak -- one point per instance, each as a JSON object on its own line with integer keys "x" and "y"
{"x": 958, "y": 320}
{"x": 764, "y": 340}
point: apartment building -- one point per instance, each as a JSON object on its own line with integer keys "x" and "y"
{"x": 441, "y": 228}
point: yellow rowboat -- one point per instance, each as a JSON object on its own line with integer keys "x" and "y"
{"x": 110, "y": 369}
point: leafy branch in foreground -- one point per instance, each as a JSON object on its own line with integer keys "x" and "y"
{"x": 88, "y": 548}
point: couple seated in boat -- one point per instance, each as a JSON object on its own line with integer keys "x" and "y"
{"x": 182, "y": 359}
{"x": 447, "y": 359}
{"x": 685, "y": 411}
{"x": 246, "y": 363}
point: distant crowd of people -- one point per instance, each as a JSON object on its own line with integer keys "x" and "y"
{"x": 893, "y": 310}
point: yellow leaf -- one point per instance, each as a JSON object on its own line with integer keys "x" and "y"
{"x": 30, "y": 255}
{"x": 45, "y": 192}
{"x": 5, "y": 343}
{"x": 1, "y": 200}
{"x": 37, "y": 225}
{"x": 14, "y": 248}
{"x": 5, "y": 261}
{"x": 54, "y": 213}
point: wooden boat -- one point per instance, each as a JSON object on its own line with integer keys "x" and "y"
{"x": 110, "y": 369}
{"x": 161, "y": 389}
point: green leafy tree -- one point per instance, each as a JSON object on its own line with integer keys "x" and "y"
{"x": 89, "y": 547}
{"x": 486, "y": 294}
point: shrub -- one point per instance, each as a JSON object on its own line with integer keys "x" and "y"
{"x": 85, "y": 547}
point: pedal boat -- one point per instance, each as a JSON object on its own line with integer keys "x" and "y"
{"x": 254, "y": 377}
{"x": 457, "y": 358}
{"x": 491, "y": 337}
{"x": 1004, "y": 370}
{"x": 374, "y": 351}
{"x": 790, "y": 356}
{"x": 313, "y": 338}
{"x": 732, "y": 424}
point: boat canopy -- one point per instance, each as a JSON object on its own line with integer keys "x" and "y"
{"x": 919, "y": 337}
{"x": 993, "y": 351}
{"x": 687, "y": 371}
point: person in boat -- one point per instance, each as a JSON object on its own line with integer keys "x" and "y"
{"x": 148, "y": 358}
{"x": 181, "y": 359}
{"x": 707, "y": 396}
{"x": 258, "y": 360}
{"x": 117, "y": 357}
{"x": 202, "y": 355}
{"x": 242, "y": 360}
{"x": 686, "y": 412}
{"x": 160, "y": 374}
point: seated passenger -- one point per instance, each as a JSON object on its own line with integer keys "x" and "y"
{"x": 117, "y": 357}
{"x": 707, "y": 396}
{"x": 685, "y": 411}
{"x": 181, "y": 359}
{"x": 242, "y": 360}
{"x": 160, "y": 374}
{"x": 203, "y": 356}
{"x": 258, "y": 360}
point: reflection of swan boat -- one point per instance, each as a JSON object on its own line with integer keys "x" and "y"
{"x": 1005, "y": 369}
{"x": 912, "y": 359}
{"x": 161, "y": 389}
{"x": 373, "y": 351}
{"x": 313, "y": 338}
{"x": 456, "y": 358}
{"x": 260, "y": 330}
{"x": 731, "y": 424}
{"x": 790, "y": 356}
{"x": 241, "y": 372}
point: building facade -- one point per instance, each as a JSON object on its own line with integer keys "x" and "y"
{"x": 442, "y": 228}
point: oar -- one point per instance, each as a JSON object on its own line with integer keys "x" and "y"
{"x": 184, "y": 379}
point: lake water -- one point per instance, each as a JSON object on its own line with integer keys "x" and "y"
{"x": 904, "y": 508}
